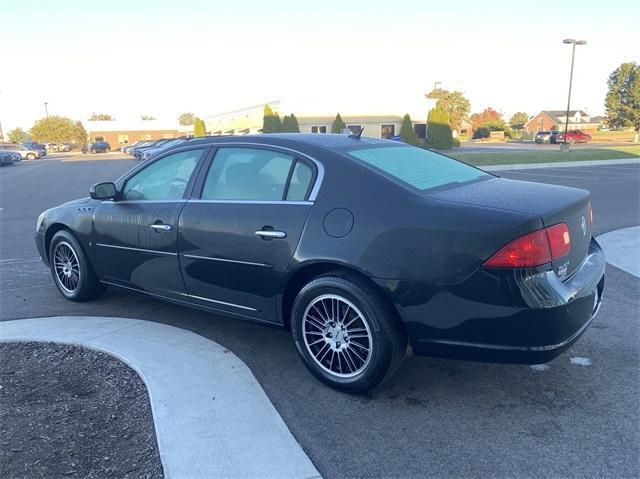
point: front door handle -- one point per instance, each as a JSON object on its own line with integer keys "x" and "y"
{"x": 161, "y": 227}
{"x": 271, "y": 234}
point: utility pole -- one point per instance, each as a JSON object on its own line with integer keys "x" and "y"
{"x": 570, "y": 41}
{"x": 46, "y": 109}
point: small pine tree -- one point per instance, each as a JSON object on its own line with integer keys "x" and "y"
{"x": 295, "y": 128}
{"x": 439, "y": 133}
{"x": 290, "y": 124}
{"x": 407, "y": 134}
{"x": 338, "y": 125}
{"x": 271, "y": 121}
{"x": 199, "y": 128}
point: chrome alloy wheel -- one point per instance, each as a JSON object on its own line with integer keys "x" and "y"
{"x": 337, "y": 335}
{"x": 67, "y": 267}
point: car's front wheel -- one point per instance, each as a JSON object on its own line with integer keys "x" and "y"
{"x": 71, "y": 269}
{"x": 31, "y": 156}
{"x": 345, "y": 333}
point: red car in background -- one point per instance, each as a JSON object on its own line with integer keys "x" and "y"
{"x": 573, "y": 136}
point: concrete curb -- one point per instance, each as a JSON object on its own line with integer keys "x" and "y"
{"x": 622, "y": 249}
{"x": 211, "y": 416}
{"x": 566, "y": 164}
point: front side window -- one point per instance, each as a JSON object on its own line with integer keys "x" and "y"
{"x": 163, "y": 180}
{"x": 419, "y": 168}
{"x": 253, "y": 174}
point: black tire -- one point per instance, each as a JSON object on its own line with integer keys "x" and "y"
{"x": 88, "y": 286}
{"x": 31, "y": 156}
{"x": 384, "y": 335}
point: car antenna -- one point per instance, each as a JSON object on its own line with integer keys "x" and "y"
{"x": 357, "y": 137}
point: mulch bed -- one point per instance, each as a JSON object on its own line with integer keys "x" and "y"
{"x": 67, "y": 411}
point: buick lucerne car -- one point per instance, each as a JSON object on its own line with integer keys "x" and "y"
{"x": 359, "y": 246}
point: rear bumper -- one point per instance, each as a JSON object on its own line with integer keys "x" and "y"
{"x": 524, "y": 316}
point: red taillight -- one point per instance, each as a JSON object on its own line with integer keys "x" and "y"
{"x": 559, "y": 240}
{"x": 533, "y": 249}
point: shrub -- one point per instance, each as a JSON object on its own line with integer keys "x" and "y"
{"x": 199, "y": 128}
{"x": 271, "y": 121}
{"x": 439, "y": 133}
{"x": 290, "y": 124}
{"x": 482, "y": 132}
{"x": 407, "y": 134}
{"x": 338, "y": 125}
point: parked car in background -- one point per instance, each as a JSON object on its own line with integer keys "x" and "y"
{"x": 141, "y": 144}
{"x": 127, "y": 147}
{"x": 154, "y": 150}
{"x": 36, "y": 146}
{"x": 543, "y": 136}
{"x": 573, "y": 136}
{"x": 455, "y": 261}
{"x": 99, "y": 147}
{"x": 137, "y": 152}
{"x": 25, "y": 151}
{"x": 15, "y": 156}
{"x": 51, "y": 147}
{"x": 6, "y": 158}
{"x": 65, "y": 147}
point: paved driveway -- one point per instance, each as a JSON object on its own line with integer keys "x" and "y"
{"x": 578, "y": 416}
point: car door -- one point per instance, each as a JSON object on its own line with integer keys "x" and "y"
{"x": 135, "y": 236}
{"x": 239, "y": 232}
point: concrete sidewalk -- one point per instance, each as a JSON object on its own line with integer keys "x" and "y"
{"x": 622, "y": 249}
{"x": 211, "y": 416}
{"x": 558, "y": 164}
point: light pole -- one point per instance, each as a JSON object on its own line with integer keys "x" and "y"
{"x": 570, "y": 41}
{"x": 46, "y": 110}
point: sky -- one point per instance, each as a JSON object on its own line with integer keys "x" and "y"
{"x": 162, "y": 58}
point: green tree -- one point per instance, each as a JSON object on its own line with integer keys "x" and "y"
{"x": 518, "y": 120}
{"x": 101, "y": 117}
{"x": 407, "y": 134}
{"x": 58, "y": 129}
{"x": 338, "y": 125}
{"x": 17, "y": 135}
{"x": 439, "y": 133}
{"x": 623, "y": 98}
{"x": 290, "y": 124}
{"x": 271, "y": 122}
{"x": 186, "y": 119}
{"x": 147, "y": 117}
{"x": 199, "y": 128}
{"x": 80, "y": 135}
{"x": 455, "y": 103}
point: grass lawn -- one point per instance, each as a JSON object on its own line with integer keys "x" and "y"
{"x": 518, "y": 157}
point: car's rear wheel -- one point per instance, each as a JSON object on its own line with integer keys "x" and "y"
{"x": 72, "y": 272}
{"x": 345, "y": 333}
{"x": 31, "y": 156}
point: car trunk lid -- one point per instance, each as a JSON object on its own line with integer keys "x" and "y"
{"x": 553, "y": 204}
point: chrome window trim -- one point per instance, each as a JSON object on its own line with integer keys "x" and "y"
{"x": 319, "y": 166}
{"x": 193, "y": 296}
{"x": 142, "y": 250}
{"x": 226, "y": 260}
{"x": 254, "y": 202}
{"x": 143, "y": 201}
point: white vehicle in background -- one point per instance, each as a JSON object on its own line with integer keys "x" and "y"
{"x": 25, "y": 151}
{"x": 149, "y": 152}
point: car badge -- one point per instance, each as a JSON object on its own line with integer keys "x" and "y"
{"x": 583, "y": 225}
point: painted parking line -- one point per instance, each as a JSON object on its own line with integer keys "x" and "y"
{"x": 622, "y": 249}
{"x": 211, "y": 416}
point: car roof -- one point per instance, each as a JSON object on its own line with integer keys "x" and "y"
{"x": 330, "y": 141}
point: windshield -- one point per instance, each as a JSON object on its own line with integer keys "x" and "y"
{"x": 417, "y": 167}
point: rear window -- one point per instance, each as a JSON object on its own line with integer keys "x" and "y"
{"x": 422, "y": 169}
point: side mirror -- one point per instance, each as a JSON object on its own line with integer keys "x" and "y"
{"x": 103, "y": 191}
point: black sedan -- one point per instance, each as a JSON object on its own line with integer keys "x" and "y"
{"x": 358, "y": 245}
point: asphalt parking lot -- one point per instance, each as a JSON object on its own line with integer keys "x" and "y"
{"x": 576, "y": 417}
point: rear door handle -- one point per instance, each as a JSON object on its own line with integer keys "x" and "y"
{"x": 270, "y": 234}
{"x": 161, "y": 227}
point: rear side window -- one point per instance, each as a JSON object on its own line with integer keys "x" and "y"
{"x": 255, "y": 174}
{"x": 419, "y": 168}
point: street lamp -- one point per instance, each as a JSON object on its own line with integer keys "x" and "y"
{"x": 570, "y": 41}
{"x": 46, "y": 110}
